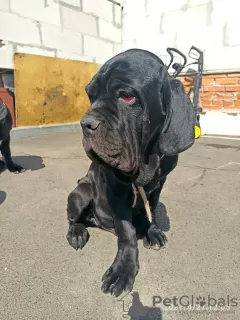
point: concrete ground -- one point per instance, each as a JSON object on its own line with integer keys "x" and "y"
{"x": 42, "y": 277}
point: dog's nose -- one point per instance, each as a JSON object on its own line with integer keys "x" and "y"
{"x": 89, "y": 123}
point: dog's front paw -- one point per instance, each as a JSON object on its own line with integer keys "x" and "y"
{"x": 155, "y": 238}
{"x": 77, "y": 236}
{"x": 13, "y": 167}
{"x": 120, "y": 277}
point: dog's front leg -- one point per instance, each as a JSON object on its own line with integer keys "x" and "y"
{"x": 78, "y": 202}
{"x": 155, "y": 238}
{"x": 121, "y": 275}
{"x": 6, "y": 152}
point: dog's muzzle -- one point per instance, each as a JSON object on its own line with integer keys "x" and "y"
{"x": 89, "y": 125}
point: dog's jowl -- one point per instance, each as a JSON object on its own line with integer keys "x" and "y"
{"x": 138, "y": 122}
{"x": 5, "y": 128}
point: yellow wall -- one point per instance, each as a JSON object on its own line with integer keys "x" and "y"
{"x": 50, "y": 90}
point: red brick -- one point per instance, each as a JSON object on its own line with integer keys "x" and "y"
{"x": 222, "y": 75}
{"x": 217, "y": 102}
{"x": 228, "y": 103}
{"x": 233, "y": 75}
{"x": 237, "y": 103}
{"x": 224, "y": 95}
{"x": 214, "y": 75}
{"x": 206, "y": 95}
{"x": 205, "y": 76}
{"x": 226, "y": 80}
{"x": 207, "y": 81}
{"x": 206, "y": 102}
{"x": 214, "y": 89}
{"x": 238, "y": 96}
{"x": 207, "y": 107}
{"x": 232, "y": 88}
{"x": 212, "y": 108}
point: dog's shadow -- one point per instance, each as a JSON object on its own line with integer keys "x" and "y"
{"x": 162, "y": 219}
{"x": 31, "y": 163}
{"x": 138, "y": 311}
{"x": 3, "y": 196}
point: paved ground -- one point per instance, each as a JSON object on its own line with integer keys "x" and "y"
{"x": 42, "y": 277}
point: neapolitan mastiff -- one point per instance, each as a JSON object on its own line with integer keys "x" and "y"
{"x": 139, "y": 120}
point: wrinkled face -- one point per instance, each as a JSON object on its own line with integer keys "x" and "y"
{"x": 112, "y": 127}
{"x": 136, "y": 110}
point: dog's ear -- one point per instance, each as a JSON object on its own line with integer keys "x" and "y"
{"x": 177, "y": 134}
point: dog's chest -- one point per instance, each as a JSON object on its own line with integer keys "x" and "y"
{"x": 155, "y": 182}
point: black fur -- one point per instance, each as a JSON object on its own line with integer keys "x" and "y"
{"x": 128, "y": 142}
{"x": 5, "y": 128}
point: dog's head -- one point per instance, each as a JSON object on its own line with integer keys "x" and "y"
{"x": 136, "y": 109}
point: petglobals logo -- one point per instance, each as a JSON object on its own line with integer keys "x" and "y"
{"x": 199, "y": 302}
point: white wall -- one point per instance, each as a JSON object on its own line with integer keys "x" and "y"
{"x": 88, "y": 30}
{"x": 95, "y": 30}
{"x": 211, "y": 25}
{"x": 91, "y": 30}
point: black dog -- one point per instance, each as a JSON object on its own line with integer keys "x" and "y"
{"x": 140, "y": 119}
{"x": 5, "y": 128}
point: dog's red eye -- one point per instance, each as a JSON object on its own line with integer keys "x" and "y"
{"x": 128, "y": 99}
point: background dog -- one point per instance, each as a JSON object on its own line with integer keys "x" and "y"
{"x": 139, "y": 120}
{"x": 5, "y": 128}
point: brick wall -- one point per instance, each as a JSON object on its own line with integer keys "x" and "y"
{"x": 87, "y": 30}
{"x": 219, "y": 92}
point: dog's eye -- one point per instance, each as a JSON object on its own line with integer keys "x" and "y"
{"x": 128, "y": 98}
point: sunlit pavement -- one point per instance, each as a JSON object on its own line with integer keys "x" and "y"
{"x": 42, "y": 277}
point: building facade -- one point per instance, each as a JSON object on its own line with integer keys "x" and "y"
{"x": 94, "y": 30}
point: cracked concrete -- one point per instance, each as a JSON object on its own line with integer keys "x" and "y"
{"x": 43, "y": 278}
